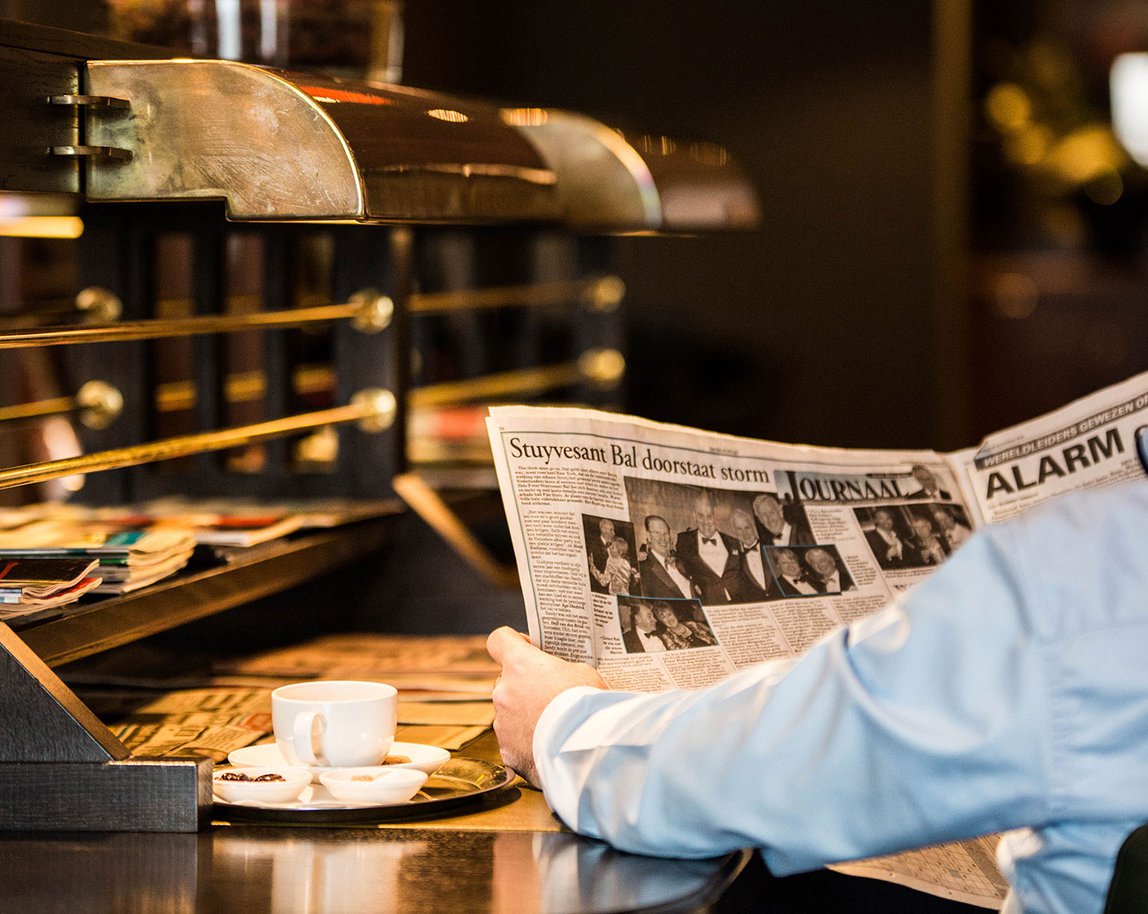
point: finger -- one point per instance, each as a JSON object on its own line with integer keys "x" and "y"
{"x": 503, "y": 640}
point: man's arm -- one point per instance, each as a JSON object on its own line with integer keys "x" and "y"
{"x": 530, "y": 678}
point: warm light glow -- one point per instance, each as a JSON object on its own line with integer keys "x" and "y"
{"x": 449, "y": 115}
{"x": 709, "y": 154}
{"x": 175, "y": 396}
{"x": 602, "y": 366}
{"x": 314, "y": 379}
{"x": 245, "y": 386}
{"x": 1029, "y": 145}
{"x": 320, "y": 447}
{"x": 41, "y": 226}
{"x": 332, "y": 96}
{"x": 1085, "y": 155}
{"x": 524, "y": 117}
{"x": 60, "y": 443}
{"x": 658, "y": 145}
{"x": 1008, "y": 107}
{"x": 1015, "y": 295}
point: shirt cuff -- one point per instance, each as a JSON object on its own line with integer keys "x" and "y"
{"x": 550, "y": 723}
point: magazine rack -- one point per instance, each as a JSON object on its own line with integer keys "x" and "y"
{"x": 272, "y": 326}
{"x": 60, "y": 767}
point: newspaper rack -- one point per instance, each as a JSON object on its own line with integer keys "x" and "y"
{"x": 60, "y": 767}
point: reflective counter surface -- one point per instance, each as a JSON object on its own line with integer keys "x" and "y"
{"x": 339, "y": 871}
{"x": 505, "y": 854}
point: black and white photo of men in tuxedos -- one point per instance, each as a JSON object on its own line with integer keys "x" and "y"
{"x": 598, "y": 553}
{"x": 952, "y": 531}
{"x": 640, "y": 637}
{"x": 753, "y": 582}
{"x": 929, "y": 548}
{"x": 888, "y": 545}
{"x": 930, "y": 487}
{"x": 707, "y": 555}
{"x": 776, "y": 527}
{"x": 824, "y": 564}
{"x": 792, "y": 580}
{"x": 659, "y": 570}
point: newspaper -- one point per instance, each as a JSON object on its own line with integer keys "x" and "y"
{"x": 444, "y": 684}
{"x": 964, "y": 871}
{"x": 670, "y": 557}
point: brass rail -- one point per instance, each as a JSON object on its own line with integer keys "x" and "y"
{"x": 375, "y": 409}
{"x": 369, "y": 310}
{"x": 41, "y": 409}
{"x": 523, "y": 381}
{"x": 99, "y": 405}
{"x": 597, "y": 366}
{"x": 603, "y": 293}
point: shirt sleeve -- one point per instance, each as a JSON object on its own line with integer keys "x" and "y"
{"x": 939, "y": 717}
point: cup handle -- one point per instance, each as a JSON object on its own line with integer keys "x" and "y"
{"x": 303, "y": 737}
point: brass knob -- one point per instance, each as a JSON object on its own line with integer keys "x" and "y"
{"x": 383, "y": 407}
{"x": 375, "y": 311}
{"x": 100, "y": 404}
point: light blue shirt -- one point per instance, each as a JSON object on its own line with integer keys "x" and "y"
{"x": 1007, "y": 692}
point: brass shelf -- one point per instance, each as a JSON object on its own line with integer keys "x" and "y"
{"x": 251, "y": 573}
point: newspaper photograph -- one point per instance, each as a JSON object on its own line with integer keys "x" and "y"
{"x": 669, "y": 557}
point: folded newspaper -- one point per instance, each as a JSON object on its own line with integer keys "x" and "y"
{"x": 671, "y": 557}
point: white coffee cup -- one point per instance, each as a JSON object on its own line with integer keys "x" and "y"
{"x": 334, "y": 723}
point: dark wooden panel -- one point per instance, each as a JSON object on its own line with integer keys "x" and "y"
{"x": 31, "y": 125}
{"x": 162, "y": 795}
{"x": 28, "y": 36}
{"x": 41, "y": 720}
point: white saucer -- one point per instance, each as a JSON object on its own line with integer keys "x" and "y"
{"x": 314, "y": 796}
{"x": 267, "y": 755}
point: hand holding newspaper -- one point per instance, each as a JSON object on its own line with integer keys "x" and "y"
{"x": 669, "y": 557}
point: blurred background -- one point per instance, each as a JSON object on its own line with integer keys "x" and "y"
{"x": 952, "y": 239}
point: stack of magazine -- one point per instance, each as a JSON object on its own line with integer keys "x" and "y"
{"x": 28, "y": 585}
{"x": 139, "y": 544}
{"x": 234, "y": 522}
{"x": 127, "y": 557}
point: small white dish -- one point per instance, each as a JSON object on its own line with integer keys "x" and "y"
{"x": 375, "y": 785}
{"x": 283, "y": 784}
{"x": 422, "y": 757}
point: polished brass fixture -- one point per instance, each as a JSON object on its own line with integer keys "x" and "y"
{"x": 290, "y": 146}
{"x": 425, "y": 501}
{"x": 284, "y": 146}
{"x": 373, "y": 409}
{"x": 601, "y": 293}
{"x": 368, "y": 310}
{"x": 615, "y": 181}
{"x": 98, "y": 404}
{"x": 602, "y": 367}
